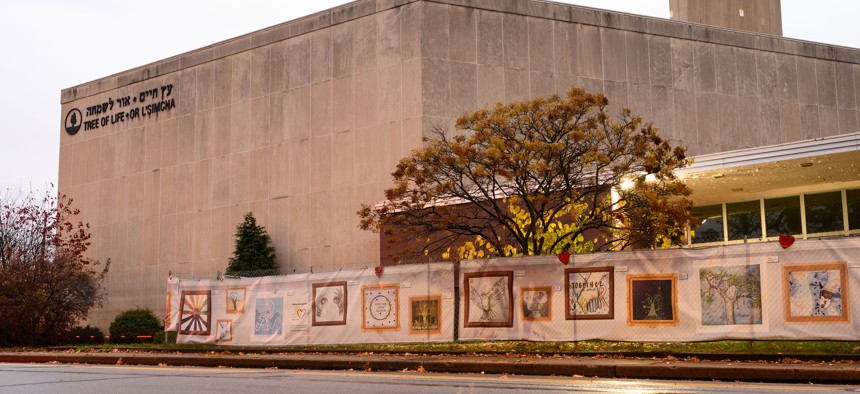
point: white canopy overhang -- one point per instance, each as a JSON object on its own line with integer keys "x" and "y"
{"x": 821, "y": 164}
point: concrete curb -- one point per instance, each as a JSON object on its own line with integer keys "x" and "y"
{"x": 590, "y": 367}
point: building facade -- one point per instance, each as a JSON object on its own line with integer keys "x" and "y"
{"x": 761, "y": 16}
{"x": 302, "y": 122}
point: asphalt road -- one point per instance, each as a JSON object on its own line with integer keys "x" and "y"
{"x": 64, "y": 378}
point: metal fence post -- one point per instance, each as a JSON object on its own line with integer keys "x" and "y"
{"x": 456, "y": 300}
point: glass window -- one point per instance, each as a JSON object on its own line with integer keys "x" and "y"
{"x": 853, "y": 197}
{"x": 782, "y": 216}
{"x": 744, "y": 220}
{"x": 711, "y": 229}
{"x": 823, "y": 212}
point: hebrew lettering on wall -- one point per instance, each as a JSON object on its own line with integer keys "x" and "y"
{"x": 489, "y": 299}
{"x": 816, "y": 292}
{"x": 589, "y": 293}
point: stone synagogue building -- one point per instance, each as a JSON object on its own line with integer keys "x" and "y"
{"x": 302, "y": 122}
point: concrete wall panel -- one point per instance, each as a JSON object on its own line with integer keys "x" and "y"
{"x": 589, "y": 52}
{"x": 540, "y": 45}
{"x": 259, "y": 122}
{"x": 825, "y": 77}
{"x": 321, "y": 109}
{"x": 260, "y": 72}
{"x": 766, "y": 65}
{"x": 789, "y": 121}
{"x": 464, "y": 93}
{"x": 322, "y": 55}
{"x": 845, "y": 93}
{"x": 682, "y": 64}
{"x": 614, "y": 54}
{"x": 660, "y": 61}
{"x": 704, "y": 67}
{"x": 516, "y": 41}
{"x": 809, "y": 122}
{"x": 490, "y": 39}
{"x": 241, "y": 85}
{"x": 637, "y": 46}
{"x": 463, "y": 26}
{"x": 807, "y": 86}
{"x": 747, "y": 73}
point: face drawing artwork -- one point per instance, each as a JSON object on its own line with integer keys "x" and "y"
{"x": 329, "y": 303}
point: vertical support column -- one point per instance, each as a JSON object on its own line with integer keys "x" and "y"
{"x": 803, "y": 215}
{"x": 845, "y": 225}
{"x": 457, "y": 300}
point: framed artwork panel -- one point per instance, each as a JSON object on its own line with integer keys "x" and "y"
{"x": 425, "y": 315}
{"x": 380, "y": 306}
{"x": 730, "y": 295}
{"x": 235, "y": 297}
{"x": 223, "y": 330}
{"x": 536, "y": 303}
{"x": 195, "y": 312}
{"x": 489, "y": 299}
{"x": 167, "y": 308}
{"x": 652, "y": 300}
{"x": 269, "y": 316}
{"x": 816, "y": 292}
{"x": 589, "y": 293}
{"x": 300, "y": 316}
{"x": 329, "y": 304}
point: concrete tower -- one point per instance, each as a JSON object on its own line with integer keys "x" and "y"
{"x": 761, "y": 16}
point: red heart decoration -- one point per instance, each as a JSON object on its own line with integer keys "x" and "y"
{"x": 379, "y": 271}
{"x": 785, "y": 240}
{"x": 564, "y": 257}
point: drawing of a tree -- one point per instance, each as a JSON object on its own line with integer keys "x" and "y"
{"x": 423, "y": 310}
{"x": 731, "y": 286}
{"x": 653, "y": 304}
{"x": 234, "y": 299}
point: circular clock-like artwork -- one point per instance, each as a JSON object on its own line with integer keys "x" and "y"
{"x": 380, "y": 308}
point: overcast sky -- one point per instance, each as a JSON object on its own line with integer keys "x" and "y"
{"x": 50, "y": 45}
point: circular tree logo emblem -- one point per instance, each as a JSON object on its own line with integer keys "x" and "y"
{"x": 74, "y": 119}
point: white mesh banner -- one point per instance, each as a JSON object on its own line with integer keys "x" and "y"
{"x": 402, "y": 304}
{"x": 746, "y": 291}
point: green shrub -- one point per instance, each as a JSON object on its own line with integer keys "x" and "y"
{"x": 165, "y": 337}
{"x": 129, "y": 325}
{"x": 88, "y": 335}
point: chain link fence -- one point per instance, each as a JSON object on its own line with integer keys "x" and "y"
{"x": 311, "y": 269}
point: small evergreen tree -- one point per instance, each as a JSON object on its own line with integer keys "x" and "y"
{"x": 254, "y": 250}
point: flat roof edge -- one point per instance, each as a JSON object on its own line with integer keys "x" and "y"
{"x": 531, "y": 8}
{"x": 231, "y": 46}
{"x": 765, "y": 154}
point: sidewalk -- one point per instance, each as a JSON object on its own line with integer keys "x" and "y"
{"x": 669, "y": 368}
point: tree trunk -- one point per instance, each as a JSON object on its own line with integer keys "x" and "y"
{"x": 730, "y": 309}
